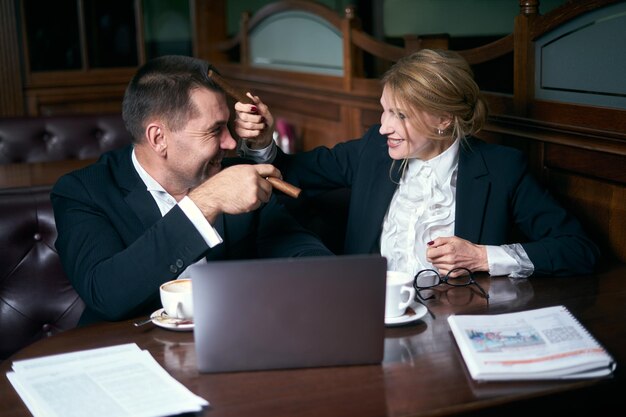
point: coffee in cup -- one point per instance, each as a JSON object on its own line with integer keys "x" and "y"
{"x": 400, "y": 293}
{"x": 176, "y": 298}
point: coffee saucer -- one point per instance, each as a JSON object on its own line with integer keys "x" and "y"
{"x": 413, "y": 313}
{"x": 161, "y": 319}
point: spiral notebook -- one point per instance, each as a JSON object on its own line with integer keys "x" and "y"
{"x": 546, "y": 343}
{"x": 289, "y": 313}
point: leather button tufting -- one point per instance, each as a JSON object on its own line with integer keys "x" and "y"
{"x": 37, "y": 237}
{"x": 46, "y": 328}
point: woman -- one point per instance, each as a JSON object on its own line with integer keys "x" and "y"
{"x": 427, "y": 194}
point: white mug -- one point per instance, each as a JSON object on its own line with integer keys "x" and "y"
{"x": 400, "y": 293}
{"x": 176, "y": 298}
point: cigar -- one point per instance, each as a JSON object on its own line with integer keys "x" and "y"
{"x": 228, "y": 89}
{"x": 280, "y": 185}
{"x": 288, "y": 189}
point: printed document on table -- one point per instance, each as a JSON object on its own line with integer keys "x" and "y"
{"x": 546, "y": 343}
{"x": 118, "y": 381}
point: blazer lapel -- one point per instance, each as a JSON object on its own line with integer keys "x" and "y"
{"x": 144, "y": 206}
{"x": 138, "y": 197}
{"x": 373, "y": 206}
{"x": 472, "y": 193}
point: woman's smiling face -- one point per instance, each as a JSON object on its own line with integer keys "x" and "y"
{"x": 405, "y": 136}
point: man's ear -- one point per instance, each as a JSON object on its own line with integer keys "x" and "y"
{"x": 155, "y": 136}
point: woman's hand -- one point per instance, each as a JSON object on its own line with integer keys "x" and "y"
{"x": 254, "y": 123}
{"x": 447, "y": 253}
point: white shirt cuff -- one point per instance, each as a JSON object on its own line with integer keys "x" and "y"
{"x": 510, "y": 260}
{"x": 500, "y": 262}
{"x": 208, "y": 233}
{"x": 260, "y": 156}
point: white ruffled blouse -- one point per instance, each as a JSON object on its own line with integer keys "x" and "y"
{"x": 422, "y": 209}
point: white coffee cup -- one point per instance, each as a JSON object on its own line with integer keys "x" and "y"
{"x": 176, "y": 298}
{"x": 400, "y": 293}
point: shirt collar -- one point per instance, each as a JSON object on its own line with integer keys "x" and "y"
{"x": 151, "y": 183}
{"x": 442, "y": 165}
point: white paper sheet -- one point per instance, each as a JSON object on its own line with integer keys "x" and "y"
{"x": 117, "y": 381}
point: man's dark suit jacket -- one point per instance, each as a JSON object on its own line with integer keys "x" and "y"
{"x": 117, "y": 249}
{"x": 495, "y": 192}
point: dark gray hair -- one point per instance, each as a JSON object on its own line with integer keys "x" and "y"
{"x": 162, "y": 89}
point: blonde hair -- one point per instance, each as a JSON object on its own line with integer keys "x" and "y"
{"x": 441, "y": 83}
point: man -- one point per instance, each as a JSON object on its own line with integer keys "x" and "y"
{"x": 141, "y": 215}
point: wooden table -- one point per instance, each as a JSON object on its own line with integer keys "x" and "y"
{"x": 422, "y": 373}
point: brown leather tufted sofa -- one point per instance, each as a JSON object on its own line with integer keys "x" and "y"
{"x": 36, "y": 298}
{"x": 57, "y": 138}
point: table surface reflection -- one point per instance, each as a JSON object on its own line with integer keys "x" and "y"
{"x": 422, "y": 373}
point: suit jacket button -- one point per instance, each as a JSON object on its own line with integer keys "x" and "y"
{"x": 173, "y": 269}
{"x": 179, "y": 263}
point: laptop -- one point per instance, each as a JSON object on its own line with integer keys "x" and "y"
{"x": 289, "y": 313}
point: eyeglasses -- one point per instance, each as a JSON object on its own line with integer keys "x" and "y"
{"x": 457, "y": 277}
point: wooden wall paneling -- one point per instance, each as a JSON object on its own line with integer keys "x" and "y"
{"x": 15, "y": 175}
{"x": 593, "y": 183}
{"x": 600, "y": 165}
{"x": 140, "y": 39}
{"x": 353, "y": 115}
{"x": 617, "y": 222}
{"x": 498, "y": 103}
{"x": 11, "y": 100}
{"x": 286, "y": 82}
{"x": 370, "y": 117}
{"x": 70, "y": 92}
{"x": 305, "y": 105}
{"x": 209, "y": 28}
{"x": 352, "y": 56}
{"x": 602, "y": 119}
{"x": 570, "y": 135}
{"x": 320, "y": 132}
{"x": 38, "y": 173}
{"x": 599, "y": 205}
{"x": 77, "y": 100}
{"x": 523, "y": 56}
